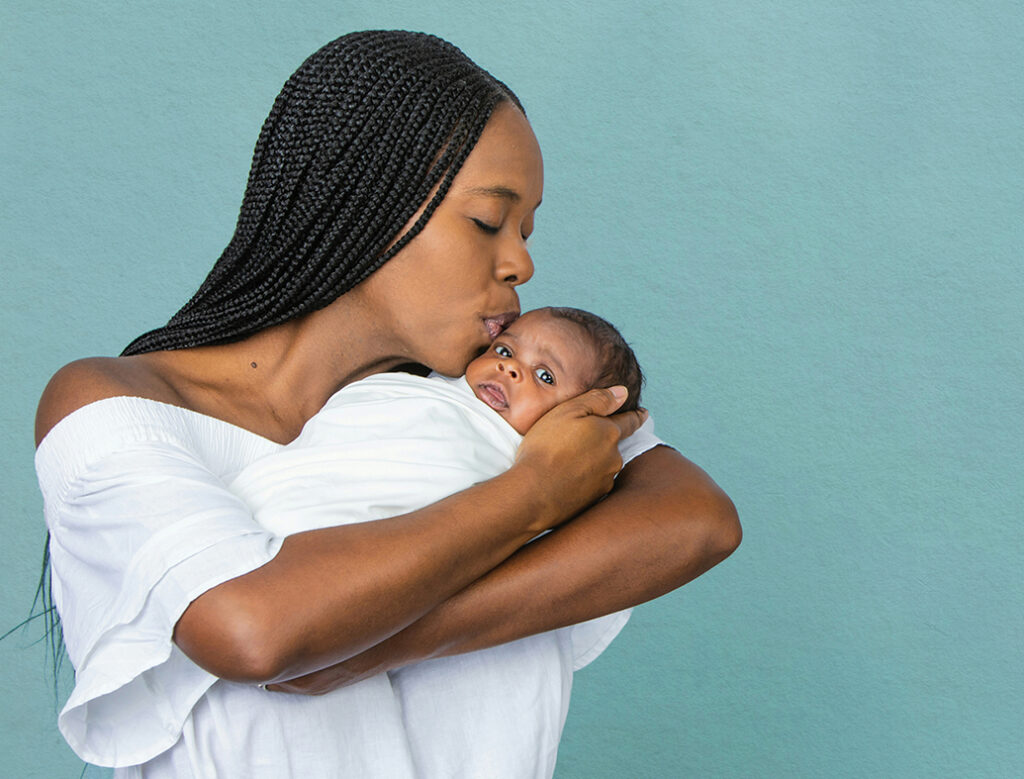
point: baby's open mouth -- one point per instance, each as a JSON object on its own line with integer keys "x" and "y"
{"x": 493, "y": 395}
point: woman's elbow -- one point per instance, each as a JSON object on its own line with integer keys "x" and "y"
{"x": 230, "y": 643}
{"x": 724, "y": 530}
{"x": 703, "y": 526}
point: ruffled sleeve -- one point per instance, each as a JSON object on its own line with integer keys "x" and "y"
{"x": 589, "y": 639}
{"x": 141, "y": 524}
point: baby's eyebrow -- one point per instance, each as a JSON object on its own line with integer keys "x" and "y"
{"x": 546, "y": 353}
{"x": 556, "y": 363}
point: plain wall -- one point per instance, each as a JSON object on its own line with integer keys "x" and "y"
{"x": 806, "y": 216}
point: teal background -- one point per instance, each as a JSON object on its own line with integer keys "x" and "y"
{"x": 807, "y": 216}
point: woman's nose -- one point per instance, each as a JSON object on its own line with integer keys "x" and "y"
{"x": 516, "y": 265}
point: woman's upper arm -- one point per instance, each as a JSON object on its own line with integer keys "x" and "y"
{"x": 140, "y": 526}
{"x": 75, "y": 385}
{"x": 665, "y": 522}
{"x": 662, "y": 484}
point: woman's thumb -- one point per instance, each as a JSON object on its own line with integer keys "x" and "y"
{"x": 605, "y": 401}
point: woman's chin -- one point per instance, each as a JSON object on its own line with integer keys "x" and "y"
{"x": 455, "y": 364}
{"x": 452, "y": 371}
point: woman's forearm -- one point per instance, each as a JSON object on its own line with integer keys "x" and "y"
{"x": 665, "y": 523}
{"x": 332, "y": 593}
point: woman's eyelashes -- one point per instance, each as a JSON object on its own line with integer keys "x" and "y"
{"x": 495, "y": 229}
{"x": 487, "y": 228}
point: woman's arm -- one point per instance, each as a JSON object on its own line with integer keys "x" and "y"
{"x": 330, "y": 594}
{"x": 664, "y": 523}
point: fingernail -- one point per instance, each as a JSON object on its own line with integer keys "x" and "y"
{"x": 619, "y": 392}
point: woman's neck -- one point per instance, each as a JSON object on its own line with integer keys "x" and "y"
{"x": 273, "y": 381}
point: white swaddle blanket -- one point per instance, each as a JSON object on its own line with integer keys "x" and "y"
{"x": 390, "y": 444}
{"x": 382, "y": 446}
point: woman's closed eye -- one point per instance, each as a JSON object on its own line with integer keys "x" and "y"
{"x": 487, "y": 228}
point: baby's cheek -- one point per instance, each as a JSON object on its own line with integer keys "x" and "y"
{"x": 519, "y": 424}
{"x": 525, "y": 418}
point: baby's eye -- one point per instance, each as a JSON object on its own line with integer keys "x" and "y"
{"x": 502, "y": 351}
{"x": 544, "y": 375}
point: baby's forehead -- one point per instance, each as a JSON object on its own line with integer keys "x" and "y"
{"x": 569, "y": 341}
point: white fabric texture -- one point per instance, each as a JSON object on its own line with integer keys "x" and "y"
{"x": 142, "y": 521}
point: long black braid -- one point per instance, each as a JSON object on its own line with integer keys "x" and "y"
{"x": 358, "y": 138}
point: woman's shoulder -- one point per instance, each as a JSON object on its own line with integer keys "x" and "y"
{"x": 83, "y": 382}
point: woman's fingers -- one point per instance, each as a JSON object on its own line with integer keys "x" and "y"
{"x": 604, "y": 402}
{"x": 573, "y": 449}
{"x": 629, "y": 421}
{"x": 316, "y": 683}
{"x": 599, "y": 402}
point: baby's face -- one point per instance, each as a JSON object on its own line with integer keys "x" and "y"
{"x": 538, "y": 362}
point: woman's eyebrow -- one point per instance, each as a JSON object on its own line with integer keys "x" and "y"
{"x": 506, "y": 193}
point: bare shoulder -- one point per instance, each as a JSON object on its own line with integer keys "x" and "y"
{"x": 85, "y": 381}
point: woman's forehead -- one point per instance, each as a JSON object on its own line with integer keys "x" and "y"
{"x": 506, "y": 161}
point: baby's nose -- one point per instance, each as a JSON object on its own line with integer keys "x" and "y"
{"x": 509, "y": 369}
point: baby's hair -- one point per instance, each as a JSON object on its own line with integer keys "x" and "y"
{"x": 617, "y": 364}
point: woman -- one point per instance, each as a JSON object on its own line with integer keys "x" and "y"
{"x": 392, "y": 191}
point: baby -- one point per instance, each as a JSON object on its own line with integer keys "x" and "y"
{"x": 394, "y": 442}
{"x": 550, "y": 355}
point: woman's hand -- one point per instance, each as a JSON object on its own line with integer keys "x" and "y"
{"x": 325, "y": 680}
{"x": 665, "y": 523}
{"x": 572, "y": 450}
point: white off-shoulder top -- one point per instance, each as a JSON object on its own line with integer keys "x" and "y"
{"x": 142, "y": 522}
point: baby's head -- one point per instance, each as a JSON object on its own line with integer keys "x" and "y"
{"x": 549, "y": 355}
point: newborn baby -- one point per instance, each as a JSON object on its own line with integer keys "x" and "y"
{"x": 394, "y": 442}
{"x": 550, "y": 355}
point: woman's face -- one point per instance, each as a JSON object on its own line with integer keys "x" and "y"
{"x": 451, "y": 289}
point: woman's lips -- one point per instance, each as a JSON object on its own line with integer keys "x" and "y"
{"x": 493, "y": 395}
{"x": 495, "y": 324}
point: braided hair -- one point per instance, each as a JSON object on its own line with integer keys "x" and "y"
{"x": 359, "y": 137}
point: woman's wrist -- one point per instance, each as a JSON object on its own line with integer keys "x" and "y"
{"x": 541, "y": 494}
